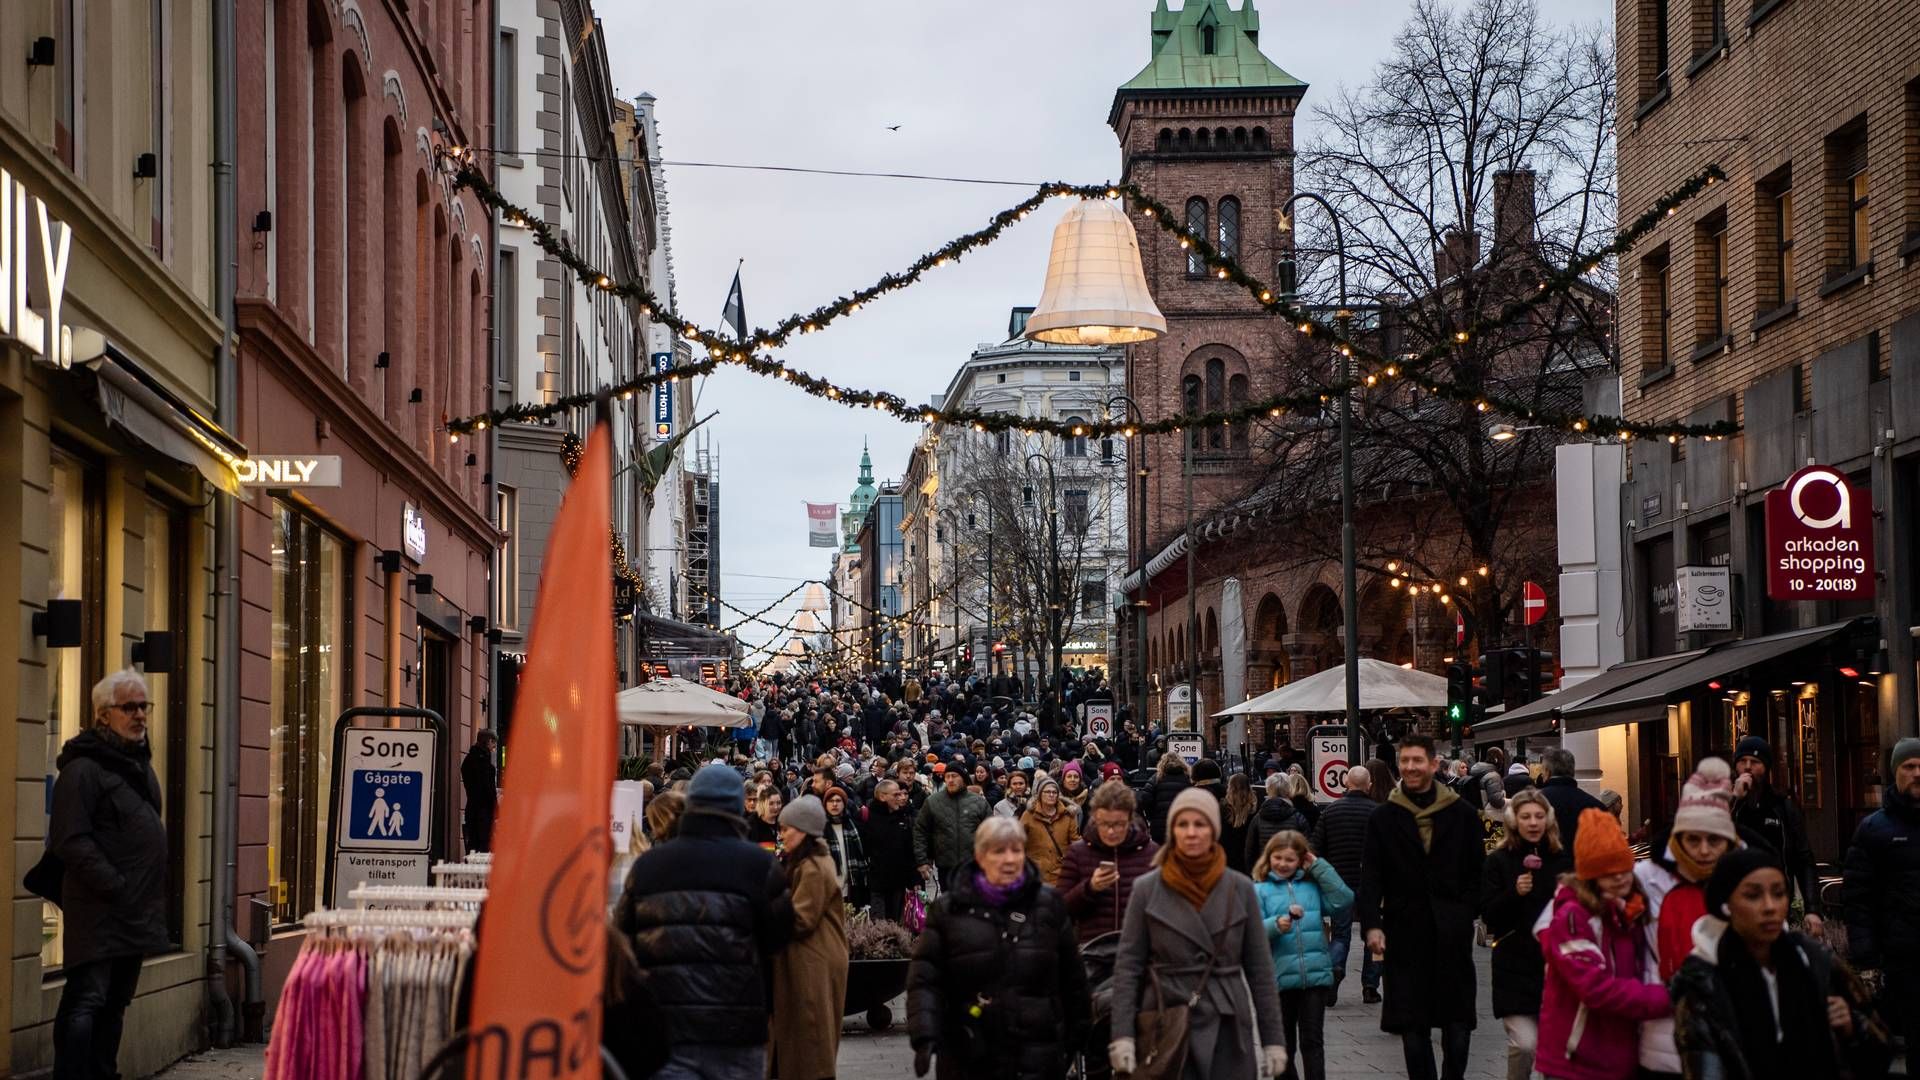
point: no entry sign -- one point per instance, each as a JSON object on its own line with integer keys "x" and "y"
{"x": 1533, "y": 602}
{"x": 1819, "y": 538}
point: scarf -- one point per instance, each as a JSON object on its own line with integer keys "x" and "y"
{"x": 1194, "y": 878}
{"x": 1692, "y": 871}
{"x": 997, "y": 895}
{"x": 1437, "y": 798}
{"x": 1805, "y": 1046}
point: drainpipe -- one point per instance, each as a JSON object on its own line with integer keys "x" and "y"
{"x": 227, "y": 581}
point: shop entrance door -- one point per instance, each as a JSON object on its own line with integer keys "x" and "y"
{"x": 435, "y": 663}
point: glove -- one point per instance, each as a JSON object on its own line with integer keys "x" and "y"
{"x": 1120, "y": 1055}
{"x": 1276, "y": 1058}
{"x": 922, "y": 1059}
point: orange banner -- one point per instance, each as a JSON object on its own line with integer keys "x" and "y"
{"x": 543, "y": 939}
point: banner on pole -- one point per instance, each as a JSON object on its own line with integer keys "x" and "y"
{"x": 820, "y": 524}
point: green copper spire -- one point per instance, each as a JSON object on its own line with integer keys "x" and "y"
{"x": 863, "y": 495}
{"x": 1207, "y": 45}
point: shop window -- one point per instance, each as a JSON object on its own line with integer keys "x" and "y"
{"x": 310, "y": 660}
{"x": 163, "y": 549}
{"x": 506, "y": 603}
{"x": 76, "y": 571}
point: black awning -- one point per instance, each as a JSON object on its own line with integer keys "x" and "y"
{"x": 1645, "y": 700}
{"x": 671, "y": 637}
{"x": 1541, "y": 717}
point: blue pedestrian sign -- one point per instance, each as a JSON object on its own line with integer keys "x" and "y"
{"x": 387, "y": 804}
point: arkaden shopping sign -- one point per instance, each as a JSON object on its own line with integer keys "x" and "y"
{"x": 1819, "y": 538}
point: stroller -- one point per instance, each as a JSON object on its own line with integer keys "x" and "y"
{"x": 1098, "y": 955}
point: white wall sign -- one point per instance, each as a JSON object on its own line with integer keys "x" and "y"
{"x": 413, "y": 532}
{"x": 1181, "y": 703}
{"x": 267, "y": 470}
{"x": 1189, "y": 747}
{"x": 40, "y": 330}
{"x": 1704, "y": 598}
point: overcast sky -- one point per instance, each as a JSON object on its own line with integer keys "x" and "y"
{"x": 990, "y": 89}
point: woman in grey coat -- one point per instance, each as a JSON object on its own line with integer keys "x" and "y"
{"x": 1195, "y": 928}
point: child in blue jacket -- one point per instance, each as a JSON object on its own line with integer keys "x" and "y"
{"x": 1300, "y": 895}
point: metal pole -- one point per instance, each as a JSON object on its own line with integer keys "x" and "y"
{"x": 1193, "y": 609}
{"x": 993, "y": 660}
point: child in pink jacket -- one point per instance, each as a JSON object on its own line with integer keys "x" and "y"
{"x": 1594, "y": 942}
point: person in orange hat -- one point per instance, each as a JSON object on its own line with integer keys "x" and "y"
{"x": 1595, "y": 948}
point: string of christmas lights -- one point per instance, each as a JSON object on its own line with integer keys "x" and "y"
{"x": 743, "y": 352}
{"x": 572, "y": 449}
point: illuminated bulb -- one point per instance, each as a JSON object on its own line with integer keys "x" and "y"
{"x": 1266, "y": 297}
{"x": 690, "y": 333}
{"x": 1395, "y": 582}
{"x": 1672, "y": 439}
{"x": 1185, "y": 243}
{"x": 1460, "y": 336}
{"x": 1393, "y": 566}
{"x": 628, "y": 394}
{"x": 1370, "y": 380}
{"x": 833, "y": 392}
{"x": 1274, "y": 413}
{"x": 480, "y": 426}
{"x": 1445, "y": 599}
{"x": 1223, "y": 273}
{"x": 1127, "y": 432}
{"x": 1435, "y": 587}
{"x": 453, "y": 436}
{"x": 606, "y": 282}
{"x": 1626, "y": 436}
{"x": 1346, "y": 350}
{"x": 1483, "y": 571}
{"x": 1148, "y": 211}
{"x": 1113, "y": 193}
{"x": 1579, "y": 425}
{"x": 853, "y": 307}
{"x": 1482, "y": 406}
{"x": 1078, "y": 430}
{"x": 1463, "y": 581}
{"x": 1306, "y": 328}
{"x": 1392, "y": 370}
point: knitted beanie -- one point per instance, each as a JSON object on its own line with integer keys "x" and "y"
{"x": 1600, "y": 848}
{"x": 1731, "y": 870}
{"x": 806, "y": 814}
{"x": 717, "y": 787}
{"x": 1706, "y": 801}
{"x": 1194, "y": 798}
{"x": 1903, "y": 750}
{"x": 1754, "y": 746}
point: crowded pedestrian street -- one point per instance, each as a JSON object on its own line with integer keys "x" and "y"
{"x": 1081, "y": 540}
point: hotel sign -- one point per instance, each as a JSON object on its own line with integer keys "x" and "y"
{"x": 1819, "y": 538}
{"x": 267, "y": 470}
{"x": 413, "y": 532}
{"x": 662, "y": 396}
{"x": 23, "y": 216}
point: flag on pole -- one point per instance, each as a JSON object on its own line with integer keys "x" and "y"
{"x": 820, "y": 519}
{"x": 734, "y": 314}
{"x": 545, "y": 920}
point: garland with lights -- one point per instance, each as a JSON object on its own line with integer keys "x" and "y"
{"x": 741, "y": 352}
{"x": 572, "y": 449}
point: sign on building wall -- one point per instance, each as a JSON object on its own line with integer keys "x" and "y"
{"x": 413, "y": 532}
{"x": 662, "y": 396}
{"x": 41, "y": 330}
{"x": 1703, "y": 595}
{"x": 271, "y": 470}
{"x": 1181, "y": 704}
{"x": 1819, "y": 538}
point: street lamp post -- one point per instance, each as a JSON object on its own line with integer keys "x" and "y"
{"x": 1054, "y": 601}
{"x": 1348, "y": 573}
{"x": 1140, "y": 537}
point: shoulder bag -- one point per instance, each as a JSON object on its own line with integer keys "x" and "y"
{"x": 1161, "y": 1034}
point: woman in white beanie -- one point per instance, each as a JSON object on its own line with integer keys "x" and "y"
{"x": 1675, "y": 881}
{"x": 1193, "y": 933}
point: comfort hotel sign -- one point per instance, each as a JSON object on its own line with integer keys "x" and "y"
{"x": 24, "y": 217}
{"x": 268, "y": 470}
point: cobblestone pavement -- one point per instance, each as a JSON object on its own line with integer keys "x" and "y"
{"x": 1356, "y": 1047}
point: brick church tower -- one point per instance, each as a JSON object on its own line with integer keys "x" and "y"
{"x": 1206, "y": 128}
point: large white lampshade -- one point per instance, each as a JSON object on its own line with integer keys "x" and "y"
{"x": 1096, "y": 293}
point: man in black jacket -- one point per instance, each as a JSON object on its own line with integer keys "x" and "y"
{"x": 107, "y": 833}
{"x": 1419, "y": 890}
{"x": 1340, "y": 837}
{"x": 706, "y": 912}
{"x": 1762, "y": 809}
{"x": 1881, "y": 895}
{"x": 886, "y": 828}
{"x": 1565, "y": 794}
{"x": 481, "y": 780}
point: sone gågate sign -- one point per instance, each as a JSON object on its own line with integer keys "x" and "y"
{"x": 1819, "y": 538}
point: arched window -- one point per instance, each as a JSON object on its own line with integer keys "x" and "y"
{"x": 1184, "y": 141}
{"x": 1237, "y": 399}
{"x": 1165, "y": 141}
{"x": 1200, "y": 140}
{"x": 1260, "y": 138}
{"x": 1196, "y": 228}
{"x": 1216, "y": 400}
{"x": 1206, "y": 40}
{"x": 1222, "y": 140}
{"x": 1228, "y": 238}
{"x": 1239, "y": 138}
{"x": 1190, "y": 404}
{"x": 1076, "y": 445}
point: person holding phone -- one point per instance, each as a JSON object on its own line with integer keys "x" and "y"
{"x": 1097, "y": 875}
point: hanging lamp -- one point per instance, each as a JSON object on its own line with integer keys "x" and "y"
{"x": 1096, "y": 292}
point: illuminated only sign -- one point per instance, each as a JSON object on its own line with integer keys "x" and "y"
{"x": 40, "y": 329}
{"x": 267, "y": 470}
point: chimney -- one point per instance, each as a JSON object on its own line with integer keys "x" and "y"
{"x": 1513, "y": 209}
{"x": 1456, "y": 253}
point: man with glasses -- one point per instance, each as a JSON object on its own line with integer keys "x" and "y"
{"x": 108, "y": 835}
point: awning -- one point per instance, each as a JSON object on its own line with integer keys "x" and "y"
{"x": 1645, "y": 700}
{"x": 1538, "y": 717}
{"x": 1382, "y": 686}
{"x": 142, "y": 407}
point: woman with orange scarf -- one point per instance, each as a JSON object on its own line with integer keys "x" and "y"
{"x": 1193, "y": 934}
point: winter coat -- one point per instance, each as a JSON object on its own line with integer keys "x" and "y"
{"x": 1273, "y": 816}
{"x": 1708, "y": 1027}
{"x": 1518, "y": 974}
{"x": 1881, "y": 893}
{"x": 705, "y": 911}
{"x": 1595, "y": 999}
{"x": 1048, "y": 841}
{"x": 810, "y": 977}
{"x": 1424, "y": 898}
{"x": 1340, "y": 836}
{"x": 1164, "y": 939}
{"x": 1493, "y": 791}
{"x": 849, "y": 857}
{"x": 1158, "y": 798}
{"x": 1302, "y": 958}
{"x": 1019, "y": 964}
{"x": 1774, "y": 817}
{"x": 888, "y": 837}
{"x": 1094, "y": 912}
{"x": 107, "y": 830}
{"x": 481, "y": 781}
{"x": 943, "y": 831}
{"x": 1568, "y": 798}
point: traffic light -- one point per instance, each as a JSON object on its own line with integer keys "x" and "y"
{"x": 1459, "y": 693}
{"x": 1494, "y": 666}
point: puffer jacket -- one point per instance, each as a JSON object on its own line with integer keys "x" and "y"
{"x": 943, "y": 830}
{"x": 1274, "y": 815}
{"x": 1096, "y": 913}
{"x": 107, "y": 830}
{"x": 706, "y": 910}
{"x": 1019, "y": 964}
{"x": 1157, "y": 800}
{"x": 1594, "y": 1000}
{"x": 1340, "y": 837}
{"x": 1881, "y": 893}
{"x": 1493, "y": 788}
{"x": 1302, "y": 959}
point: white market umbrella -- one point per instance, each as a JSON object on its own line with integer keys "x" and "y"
{"x": 673, "y": 702}
{"x": 1382, "y": 686}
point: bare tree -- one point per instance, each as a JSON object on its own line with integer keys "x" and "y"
{"x": 1474, "y": 164}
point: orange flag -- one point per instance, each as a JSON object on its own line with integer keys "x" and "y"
{"x": 543, "y": 940}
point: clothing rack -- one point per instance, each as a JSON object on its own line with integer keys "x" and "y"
{"x": 421, "y": 896}
{"x": 470, "y": 875}
{"x": 389, "y": 918}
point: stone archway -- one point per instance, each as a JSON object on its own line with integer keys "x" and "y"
{"x": 1266, "y": 656}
